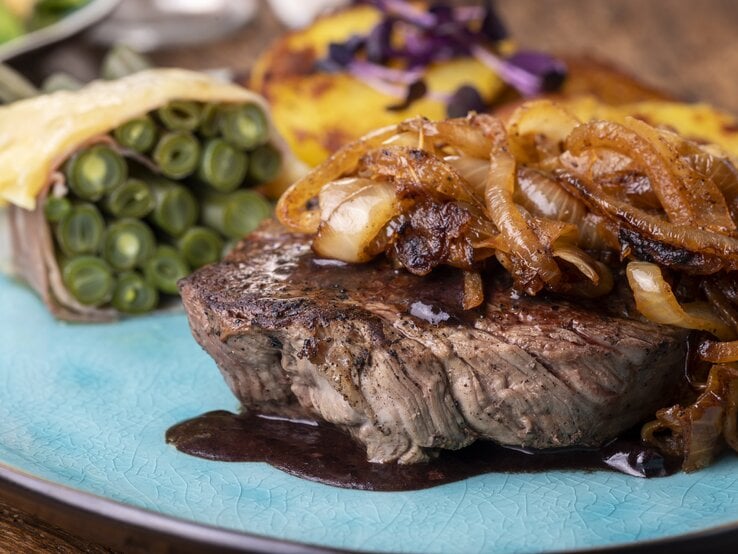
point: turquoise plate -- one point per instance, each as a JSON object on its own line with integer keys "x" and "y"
{"x": 86, "y": 407}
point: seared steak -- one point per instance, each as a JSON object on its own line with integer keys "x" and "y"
{"x": 389, "y": 356}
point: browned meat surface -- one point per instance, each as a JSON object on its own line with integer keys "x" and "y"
{"x": 389, "y": 357}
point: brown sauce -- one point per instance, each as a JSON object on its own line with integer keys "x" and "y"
{"x": 325, "y": 454}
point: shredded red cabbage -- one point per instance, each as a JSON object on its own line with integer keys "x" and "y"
{"x": 440, "y": 33}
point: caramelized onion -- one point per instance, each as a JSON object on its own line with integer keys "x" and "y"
{"x": 472, "y": 170}
{"x": 706, "y": 204}
{"x": 653, "y": 227}
{"x": 534, "y": 265}
{"x": 718, "y": 170}
{"x": 538, "y": 129}
{"x": 413, "y": 170}
{"x": 608, "y": 134}
{"x": 576, "y": 257}
{"x": 473, "y": 290}
{"x": 542, "y": 195}
{"x": 656, "y": 301}
{"x": 719, "y": 352}
{"x": 353, "y": 213}
{"x": 697, "y": 432}
{"x": 293, "y": 208}
{"x": 597, "y": 233}
{"x": 473, "y": 135}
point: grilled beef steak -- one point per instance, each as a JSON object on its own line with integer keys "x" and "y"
{"x": 390, "y": 357}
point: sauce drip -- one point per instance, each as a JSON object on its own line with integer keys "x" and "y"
{"x": 325, "y": 454}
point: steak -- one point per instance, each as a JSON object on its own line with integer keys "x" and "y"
{"x": 391, "y": 358}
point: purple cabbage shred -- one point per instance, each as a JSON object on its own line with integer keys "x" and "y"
{"x": 466, "y": 99}
{"x": 440, "y": 33}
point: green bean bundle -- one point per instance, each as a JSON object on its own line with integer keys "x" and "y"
{"x": 134, "y": 206}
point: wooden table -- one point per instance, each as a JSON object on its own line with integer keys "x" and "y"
{"x": 688, "y": 48}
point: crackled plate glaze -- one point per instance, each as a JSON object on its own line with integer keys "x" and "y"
{"x": 86, "y": 406}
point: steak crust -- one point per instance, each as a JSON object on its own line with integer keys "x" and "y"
{"x": 391, "y": 358}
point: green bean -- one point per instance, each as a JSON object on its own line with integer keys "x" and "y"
{"x": 132, "y": 198}
{"x": 81, "y": 230}
{"x": 245, "y": 125}
{"x": 94, "y": 171}
{"x": 236, "y": 214}
{"x": 128, "y": 243}
{"x": 222, "y": 165}
{"x": 121, "y": 61}
{"x": 180, "y": 115}
{"x": 57, "y": 208}
{"x": 209, "y": 122}
{"x": 137, "y": 134}
{"x": 89, "y": 279}
{"x": 60, "y": 81}
{"x": 165, "y": 268}
{"x": 177, "y": 154}
{"x": 265, "y": 162}
{"x": 176, "y": 209}
{"x": 200, "y": 246}
{"x": 134, "y": 295}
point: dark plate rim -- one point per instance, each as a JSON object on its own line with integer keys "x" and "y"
{"x": 119, "y": 525}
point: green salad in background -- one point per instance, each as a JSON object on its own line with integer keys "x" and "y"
{"x": 18, "y": 17}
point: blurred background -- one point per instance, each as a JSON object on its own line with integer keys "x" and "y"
{"x": 685, "y": 48}
{"x": 688, "y": 49}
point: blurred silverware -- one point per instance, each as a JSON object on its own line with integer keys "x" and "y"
{"x": 298, "y": 13}
{"x": 148, "y": 25}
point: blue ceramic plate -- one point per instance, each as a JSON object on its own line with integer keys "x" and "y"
{"x": 86, "y": 406}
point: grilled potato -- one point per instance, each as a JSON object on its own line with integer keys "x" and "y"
{"x": 319, "y": 112}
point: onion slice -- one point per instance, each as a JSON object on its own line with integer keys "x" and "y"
{"x": 697, "y": 431}
{"x": 656, "y": 301}
{"x": 706, "y": 202}
{"x": 653, "y": 227}
{"x": 473, "y": 135}
{"x": 683, "y": 204}
{"x": 538, "y": 129}
{"x": 543, "y": 196}
{"x": 353, "y": 213}
{"x": 719, "y": 352}
{"x": 293, "y": 206}
{"x": 534, "y": 265}
{"x": 473, "y": 290}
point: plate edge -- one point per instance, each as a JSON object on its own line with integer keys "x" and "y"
{"x": 122, "y": 526}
